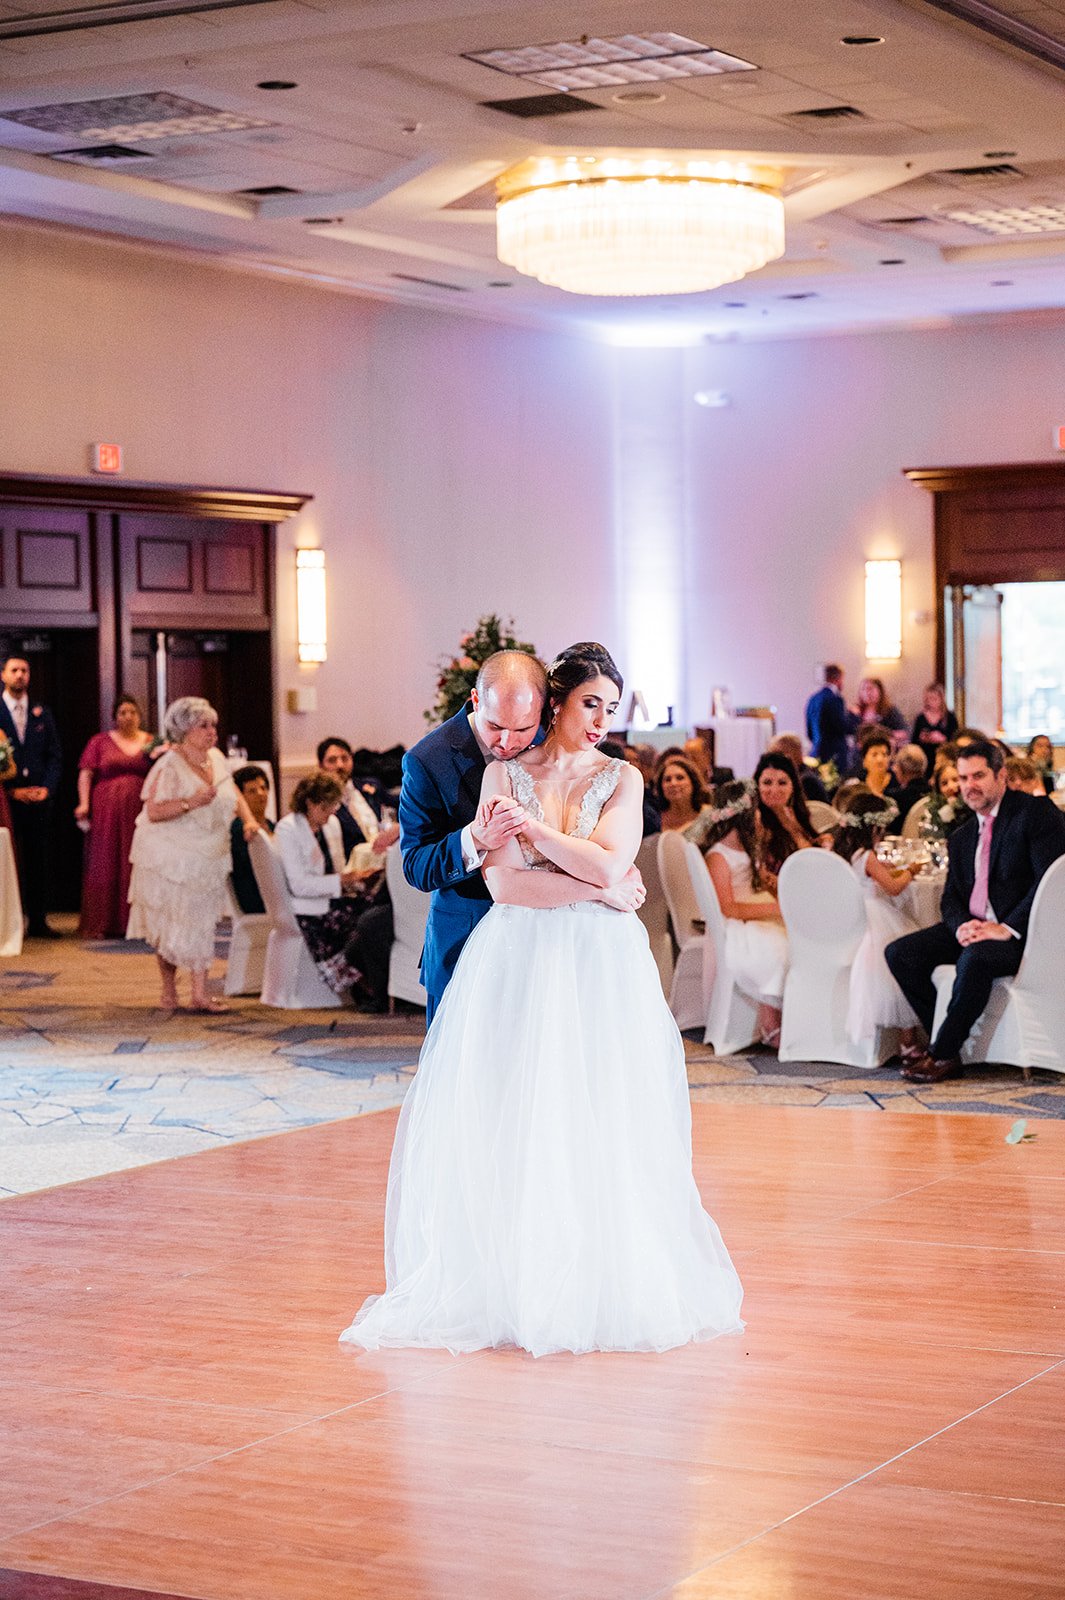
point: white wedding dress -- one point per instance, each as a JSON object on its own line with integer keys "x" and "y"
{"x": 541, "y": 1192}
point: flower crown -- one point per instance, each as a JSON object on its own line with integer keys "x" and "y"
{"x": 870, "y": 819}
{"x": 735, "y": 808}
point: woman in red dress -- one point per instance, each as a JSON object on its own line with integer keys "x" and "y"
{"x": 111, "y": 774}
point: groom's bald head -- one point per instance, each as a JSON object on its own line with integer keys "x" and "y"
{"x": 508, "y": 701}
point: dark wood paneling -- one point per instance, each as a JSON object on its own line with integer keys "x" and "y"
{"x": 112, "y": 494}
{"x": 48, "y": 560}
{"x": 46, "y": 566}
{"x": 163, "y": 566}
{"x": 190, "y": 572}
{"x": 230, "y": 568}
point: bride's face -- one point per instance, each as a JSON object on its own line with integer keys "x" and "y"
{"x": 584, "y": 717}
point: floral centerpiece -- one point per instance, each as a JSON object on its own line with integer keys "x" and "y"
{"x": 944, "y": 815}
{"x": 7, "y": 755}
{"x": 458, "y": 674}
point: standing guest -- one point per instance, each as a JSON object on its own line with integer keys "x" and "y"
{"x": 875, "y": 1000}
{"x": 874, "y": 759}
{"x": 252, "y": 783}
{"x": 679, "y": 792}
{"x": 38, "y": 759}
{"x": 111, "y": 774}
{"x": 327, "y": 904}
{"x": 755, "y": 939}
{"x": 996, "y": 862}
{"x": 783, "y": 815}
{"x": 829, "y": 724}
{"x": 875, "y": 710}
{"x": 790, "y": 745}
{"x": 180, "y": 851}
{"x": 1041, "y": 751}
{"x": 908, "y": 783}
{"x": 935, "y": 723}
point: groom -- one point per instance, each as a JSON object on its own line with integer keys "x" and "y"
{"x": 441, "y": 839}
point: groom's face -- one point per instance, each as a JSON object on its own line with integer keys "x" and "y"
{"x": 506, "y": 719}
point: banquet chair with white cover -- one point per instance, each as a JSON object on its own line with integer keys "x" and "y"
{"x": 823, "y": 816}
{"x": 410, "y": 910}
{"x": 731, "y": 1014}
{"x": 824, "y": 913}
{"x": 1023, "y": 1023}
{"x": 654, "y": 913}
{"x": 247, "y": 946}
{"x": 918, "y": 813}
{"x": 290, "y": 977}
{"x": 687, "y": 990}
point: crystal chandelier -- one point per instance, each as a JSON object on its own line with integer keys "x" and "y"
{"x": 635, "y": 226}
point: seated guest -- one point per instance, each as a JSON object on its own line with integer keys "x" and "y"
{"x": 330, "y": 906}
{"x": 875, "y": 1000}
{"x": 697, "y": 753}
{"x": 361, "y": 803}
{"x": 935, "y": 724}
{"x": 986, "y": 905}
{"x": 755, "y": 939}
{"x": 253, "y": 785}
{"x": 790, "y": 745}
{"x": 784, "y": 824}
{"x": 1041, "y": 751}
{"x": 875, "y": 710}
{"x": 652, "y": 822}
{"x": 966, "y": 736}
{"x": 874, "y": 759}
{"x": 679, "y": 792}
{"x": 942, "y": 809}
{"x": 848, "y": 788}
{"x": 908, "y": 782}
{"x": 1024, "y": 775}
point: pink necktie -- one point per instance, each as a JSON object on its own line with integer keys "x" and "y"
{"x": 978, "y": 898}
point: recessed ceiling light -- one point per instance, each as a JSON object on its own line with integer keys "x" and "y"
{"x": 500, "y": 283}
{"x": 596, "y": 63}
{"x": 735, "y": 305}
{"x": 802, "y": 294}
{"x": 892, "y": 261}
{"x": 861, "y": 38}
{"x": 277, "y": 83}
{"x": 321, "y": 222}
{"x": 646, "y": 97}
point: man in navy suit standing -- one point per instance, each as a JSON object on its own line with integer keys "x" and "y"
{"x": 39, "y": 764}
{"x": 997, "y": 859}
{"x": 829, "y": 724}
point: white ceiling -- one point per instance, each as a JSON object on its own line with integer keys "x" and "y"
{"x": 385, "y": 135}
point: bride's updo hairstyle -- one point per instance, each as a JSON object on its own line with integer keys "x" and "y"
{"x": 579, "y": 664}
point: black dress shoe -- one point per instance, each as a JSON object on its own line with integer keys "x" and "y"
{"x": 928, "y": 1070}
{"x": 41, "y": 930}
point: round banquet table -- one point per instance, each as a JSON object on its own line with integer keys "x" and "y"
{"x": 921, "y": 898}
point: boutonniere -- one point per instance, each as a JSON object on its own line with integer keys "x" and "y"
{"x": 38, "y": 711}
{"x": 367, "y": 788}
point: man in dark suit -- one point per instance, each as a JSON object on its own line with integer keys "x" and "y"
{"x": 365, "y": 799}
{"x": 39, "y": 765}
{"x": 996, "y": 861}
{"x": 829, "y": 724}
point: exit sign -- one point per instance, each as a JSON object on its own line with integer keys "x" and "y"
{"x": 1059, "y": 438}
{"x": 107, "y": 458}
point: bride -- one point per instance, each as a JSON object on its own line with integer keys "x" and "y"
{"x": 540, "y": 1192}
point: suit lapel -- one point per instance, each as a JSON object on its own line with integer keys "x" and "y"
{"x": 469, "y": 762}
{"x": 7, "y": 722}
{"x": 1006, "y": 813}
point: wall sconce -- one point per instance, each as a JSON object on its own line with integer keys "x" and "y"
{"x": 310, "y": 605}
{"x": 883, "y": 610}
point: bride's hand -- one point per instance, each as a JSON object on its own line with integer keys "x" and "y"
{"x": 628, "y": 895}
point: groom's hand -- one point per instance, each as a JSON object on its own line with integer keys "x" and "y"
{"x": 628, "y": 895}
{"x": 497, "y": 821}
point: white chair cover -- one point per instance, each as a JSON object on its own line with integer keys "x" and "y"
{"x": 731, "y": 1014}
{"x": 247, "y": 947}
{"x": 824, "y": 913}
{"x": 911, "y": 824}
{"x": 654, "y": 913}
{"x": 686, "y": 991}
{"x": 410, "y": 909}
{"x": 290, "y": 977}
{"x": 823, "y": 816}
{"x": 1023, "y": 1024}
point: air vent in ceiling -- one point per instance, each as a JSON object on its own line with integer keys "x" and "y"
{"x": 431, "y": 283}
{"x": 801, "y": 294}
{"x": 99, "y": 155}
{"x": 998, "y": 169}
{"x": 900, "y": 222}
{"x": 829, "y": 114}
{"x": 35, "y": 24}
{"x": 263, "y": 191}
{"x": 542, "y": 105}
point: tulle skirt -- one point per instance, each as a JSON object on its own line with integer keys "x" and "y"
{"x": 875, "y": 999}
{"x": 540, "y": 1191}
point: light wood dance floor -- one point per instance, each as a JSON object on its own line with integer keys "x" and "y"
{"x": 178, "y": 1418}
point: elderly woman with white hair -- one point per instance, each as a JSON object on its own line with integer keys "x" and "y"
{"x": 180, "y": 851}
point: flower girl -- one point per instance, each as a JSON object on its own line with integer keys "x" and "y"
{"x": 876, "y": 1001}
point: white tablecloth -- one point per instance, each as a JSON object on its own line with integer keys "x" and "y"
{"x": 739, "y": 741}
{"x": 922, "y": 897}
{"x": 10, "y": 900}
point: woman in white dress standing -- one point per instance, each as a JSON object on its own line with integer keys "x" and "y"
{"x": 541, "y": 1192}
{"x": 755, "y": 940}
{"x": 180, "y": 851}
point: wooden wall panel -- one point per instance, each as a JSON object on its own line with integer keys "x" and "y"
{"x": 46, "y": 566}
{"x": 192, "y": 571}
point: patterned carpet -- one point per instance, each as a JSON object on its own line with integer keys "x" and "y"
{"x": 94, "y": 1079}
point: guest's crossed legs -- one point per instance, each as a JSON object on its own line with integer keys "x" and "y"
{"x": 912, "y": 961}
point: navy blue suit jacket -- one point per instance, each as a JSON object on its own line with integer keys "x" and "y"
{"x": 441, "y": 789}
{"x": 40, "y": 760}
{"x": 828, "y": 726}
{"x": 1028, "y": 837}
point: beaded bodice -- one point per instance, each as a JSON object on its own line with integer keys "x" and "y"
{"x": 597, "y": 792}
